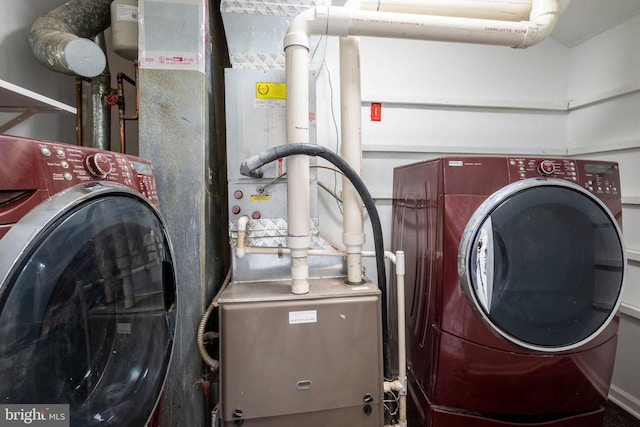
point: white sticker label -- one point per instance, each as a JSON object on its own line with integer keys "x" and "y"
{"x": 165, "y": 43}
{"x": 308, "y": 316}
{"x": 126, "y": 12}
{"x": 456, "y": 163}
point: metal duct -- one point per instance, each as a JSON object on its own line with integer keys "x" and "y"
{"x": 62, "y": 39}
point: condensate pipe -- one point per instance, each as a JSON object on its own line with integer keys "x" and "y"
{"x": 298, "y": 206}
{"x": 463, "y": 22}
{"x": 351, "y": 150}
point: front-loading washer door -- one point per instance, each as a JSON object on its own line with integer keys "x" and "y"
{"x": 542, "y": 262}
{"x": 87, "y": 306}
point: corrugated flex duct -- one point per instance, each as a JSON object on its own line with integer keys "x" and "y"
{"x": 62, "y": 38}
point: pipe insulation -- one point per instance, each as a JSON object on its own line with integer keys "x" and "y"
{"x": 250, "y": 166}
{"x": 62, "y": 38}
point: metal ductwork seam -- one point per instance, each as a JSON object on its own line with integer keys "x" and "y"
{"x": 62, "y": 38}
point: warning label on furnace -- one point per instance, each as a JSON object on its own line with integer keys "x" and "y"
{"x": 271, "y": 90}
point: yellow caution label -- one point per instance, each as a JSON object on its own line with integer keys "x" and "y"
{"x": 271, "y": 90}
{"x": 259, "y": 197}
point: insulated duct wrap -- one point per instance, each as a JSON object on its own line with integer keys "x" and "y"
{"x": 62, "y": 39}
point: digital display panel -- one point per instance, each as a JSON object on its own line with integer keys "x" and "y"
{"x": 142, "y": 168}
{"x": 598, "y": 168}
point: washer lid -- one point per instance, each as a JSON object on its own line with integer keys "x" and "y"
{"x": 542, "y": 262}
{"x": 87, "y": 306}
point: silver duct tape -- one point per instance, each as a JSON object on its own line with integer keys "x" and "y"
{"x": 273, "y": 8}
{"x": 258, "y": 61}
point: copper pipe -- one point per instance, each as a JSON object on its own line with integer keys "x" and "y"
{"x": 79, "y": 110}
{"x": 120, "y": 94}
{"x": 122, "y": 117}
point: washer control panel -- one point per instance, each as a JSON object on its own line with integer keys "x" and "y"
{"x": 43, "y": 168}
{"x": 599, "y": 177}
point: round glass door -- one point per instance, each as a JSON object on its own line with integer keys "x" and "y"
{"x": 87, "y": 305}
{"x": 542, "y": 262}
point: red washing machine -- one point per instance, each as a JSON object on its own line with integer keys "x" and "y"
{"x": 514, "y": 272}
{"x": 87, "y": 284}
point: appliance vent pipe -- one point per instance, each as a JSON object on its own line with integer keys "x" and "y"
{"x": 502, "y": 10}
{"x": 62, "y": 38}
{"x": 459, "y": 21}
{"x": 353, "y": 236}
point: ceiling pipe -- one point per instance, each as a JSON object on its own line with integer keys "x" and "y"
{"x": 62, "y": 38}
{"x": 502, "y": 10}
{"x": 465, "y": 21}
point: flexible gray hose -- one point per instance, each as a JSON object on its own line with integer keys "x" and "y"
{"x": 62, "y": 38}
{"x": 210, "y": 361}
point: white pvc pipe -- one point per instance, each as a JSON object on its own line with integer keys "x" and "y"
{"x": 400, "y": 384}
{"x": 281, "y": 251}
{"x": 343, "y": 22}
{"x": 437, "y": 28}
{"x": 242, "y": 233}
{"x": 298, "y": 208}
{"x": 460, "y": 25}
{"x": 502, "y": 10}
{"x": 544, "y": 15}
{"x": 402, "y": 352}
{"x": 351, "y": 151}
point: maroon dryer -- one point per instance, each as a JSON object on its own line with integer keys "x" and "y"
{"x": 87, "y": 284}
{"x": 514, "y": 272}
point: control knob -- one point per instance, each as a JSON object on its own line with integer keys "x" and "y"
{"x": 98, "y": 165}
{"x": 546, "y": 167}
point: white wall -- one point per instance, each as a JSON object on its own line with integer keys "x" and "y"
{"x": 604, "y": 95}
{"x": 19, "y": 66}
{"x": 440, "y": 98}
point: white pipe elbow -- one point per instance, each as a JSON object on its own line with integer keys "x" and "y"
{"x": 243, "y": 221}
{"x": 311, "y": 21}
{"x": 320, "y": 21}
{"x": 544, "y": 15}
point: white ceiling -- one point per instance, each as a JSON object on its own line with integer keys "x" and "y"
{"x": 584, "y": 19}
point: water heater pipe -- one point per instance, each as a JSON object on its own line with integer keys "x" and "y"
{"x": 462, "y": 23}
